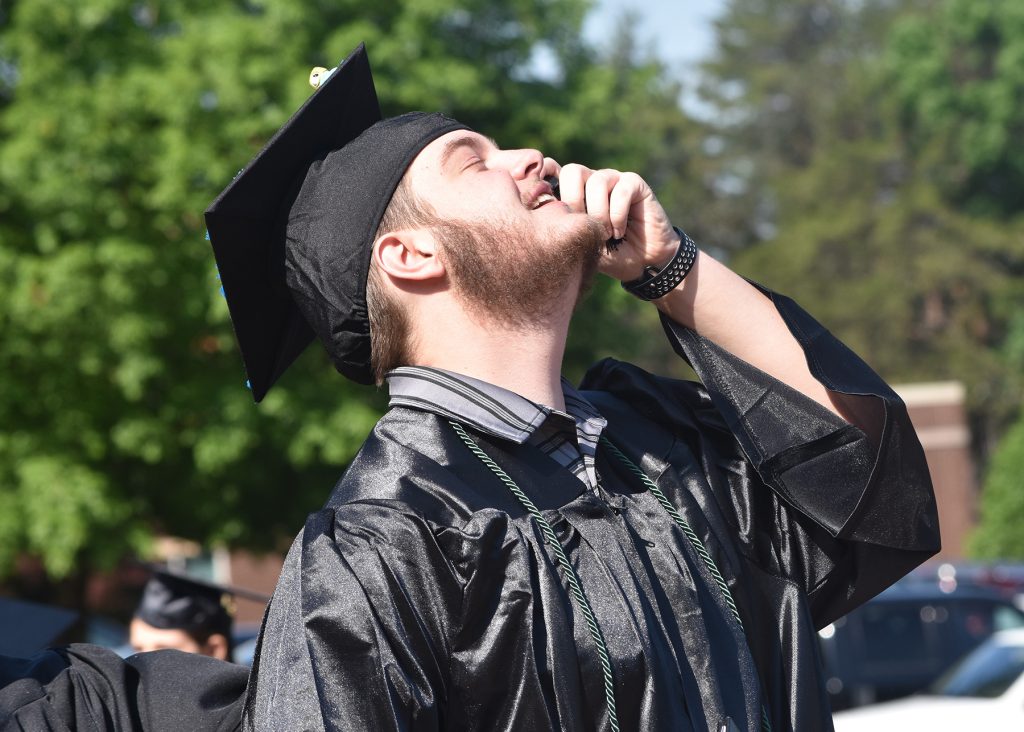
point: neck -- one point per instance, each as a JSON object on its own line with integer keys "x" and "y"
{"x": 524, "y": 359}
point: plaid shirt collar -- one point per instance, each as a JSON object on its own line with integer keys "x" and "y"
{"x": 570, "y": 438}
{"x": 488, "y": 408}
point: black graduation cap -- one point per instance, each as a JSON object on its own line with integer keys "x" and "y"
{"x": 292, "y": 232}
{"x": 28, "y": 627}
{"x": 172, "y": 600}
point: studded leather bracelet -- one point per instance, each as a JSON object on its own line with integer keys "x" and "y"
{"x": 653, "y": 283}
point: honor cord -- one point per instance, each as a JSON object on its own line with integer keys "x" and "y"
{"x": 563, "y": 561}
{"x": 695, "y": 541}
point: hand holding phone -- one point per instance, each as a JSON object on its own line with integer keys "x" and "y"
{"x": 641, "y": 234}
{"x": 612, "y": 244}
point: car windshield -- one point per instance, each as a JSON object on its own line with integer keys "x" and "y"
{"x": 987, "y": 672}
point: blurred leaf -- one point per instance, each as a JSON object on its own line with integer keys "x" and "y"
{"x": 998, "y": 535}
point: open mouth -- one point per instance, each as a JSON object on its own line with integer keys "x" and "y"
{"x": 541, "y": 200}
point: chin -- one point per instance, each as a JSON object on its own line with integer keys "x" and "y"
{"x": 573, "y": 227}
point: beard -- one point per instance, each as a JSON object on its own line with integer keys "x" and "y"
{"x": 512, "y": 275}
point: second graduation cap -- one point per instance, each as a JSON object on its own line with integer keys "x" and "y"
{"x": 172, "y": 600}
{"x": 292, "y": 233}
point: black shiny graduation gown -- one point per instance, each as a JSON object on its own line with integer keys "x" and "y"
{"x": 423, "y": 596}
{"x": 87, "y": 688}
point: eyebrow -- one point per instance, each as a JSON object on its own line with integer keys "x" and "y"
{"x": 453, "y": 146}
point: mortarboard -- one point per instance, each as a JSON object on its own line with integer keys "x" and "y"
{"x": 28, "y": 627}
{"x": 292, "y": 232}
{"x": 172, "y": 600}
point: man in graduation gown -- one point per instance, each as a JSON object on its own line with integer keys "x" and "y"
{"x": 506, "y": 551}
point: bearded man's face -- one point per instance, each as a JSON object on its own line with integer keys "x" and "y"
{"x": 513, "y": 251}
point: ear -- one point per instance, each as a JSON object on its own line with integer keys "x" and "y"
{"x": 409, "y": 254}
{"x": 216, "y": 646}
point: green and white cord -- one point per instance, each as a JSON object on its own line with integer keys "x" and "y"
{"x": 698, "y": 545}
{"x": 563, "y": 561}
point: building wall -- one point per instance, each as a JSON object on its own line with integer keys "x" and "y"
{"x": 255, "y": 572}
{"x": 937, "y": 411}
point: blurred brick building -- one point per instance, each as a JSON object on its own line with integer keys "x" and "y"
{"x": 937, "y": 411}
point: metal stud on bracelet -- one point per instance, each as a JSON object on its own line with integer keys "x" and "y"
{"x": 653, "y": 284}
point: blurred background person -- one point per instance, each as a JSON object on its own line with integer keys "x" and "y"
{"x": 185, "y": 614}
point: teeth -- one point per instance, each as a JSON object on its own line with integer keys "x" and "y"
{"x": 542, "y": 199}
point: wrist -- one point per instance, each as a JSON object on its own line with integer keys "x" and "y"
{"x": 657, "y": 281}
{"x": 661, "y": 259}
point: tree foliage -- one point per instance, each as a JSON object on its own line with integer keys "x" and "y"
{"x": 869, "y": 151}
{"x": 123, "y": 398}
{"x": 778, "y": 70}
{"x": 957, "y": 75}
{"x": 999, "y": 534}
{"x": 878, "y": 207}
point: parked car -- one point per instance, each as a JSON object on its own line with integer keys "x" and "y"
{"x": 1006, "y": 578}
{"x": 985, "y": 691}
{"x": 903, "y": 640}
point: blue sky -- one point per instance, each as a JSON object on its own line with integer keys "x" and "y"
{"x": 679, "y": 29}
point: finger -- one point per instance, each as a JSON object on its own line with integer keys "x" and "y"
{"x": 550, "y": 167}
{"x": 571, "y": 183}
{"x": 629, "y": 189}
{"x": 598, "y": 189}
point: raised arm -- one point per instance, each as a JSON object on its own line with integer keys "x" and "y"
{"x": 712, "y": 300}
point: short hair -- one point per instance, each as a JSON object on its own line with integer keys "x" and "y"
{"x": 389, "y": 325}
{"x": 202, "y": 637}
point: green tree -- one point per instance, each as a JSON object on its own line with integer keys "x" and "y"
{"x": 123, "y": 403}
{"x": 958, "y": 74}
{"x": 778, "y": 70}
{"x": 869, "y": 153}
{"x": 998, "y": 535}
{"x": 883, "y": 193}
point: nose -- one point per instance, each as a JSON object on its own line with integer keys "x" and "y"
{"x": 525, "y": 163}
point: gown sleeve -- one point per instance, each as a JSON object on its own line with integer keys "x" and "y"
{"x": 88, "y": 688}
{"x": 356, "y": 636}
{"x": 842, "y": 511}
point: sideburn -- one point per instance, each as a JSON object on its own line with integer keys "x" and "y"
{"x": 389, "y": 327}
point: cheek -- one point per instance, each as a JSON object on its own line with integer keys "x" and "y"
{"x": 483, "y": 196}
{"x": 494, "y": 188}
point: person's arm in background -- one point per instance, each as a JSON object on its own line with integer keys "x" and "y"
{"x": 88, "y": 688}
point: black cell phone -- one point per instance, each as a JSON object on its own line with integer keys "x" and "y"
{"x": 552, "y": 181}
{"x": 612, "y": 244}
